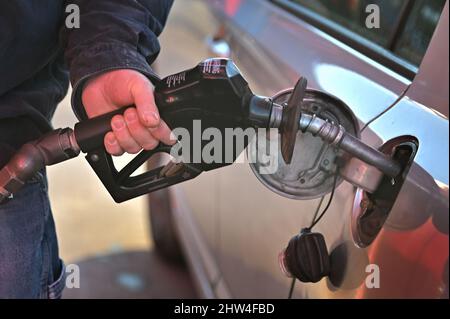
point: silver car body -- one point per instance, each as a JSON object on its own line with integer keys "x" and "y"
{"x": 233, "y": 232}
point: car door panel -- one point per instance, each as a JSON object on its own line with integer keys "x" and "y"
{"x": 413, "y": 248}
{"x": 416, "y": 232}
{"x": 273, "y": 48}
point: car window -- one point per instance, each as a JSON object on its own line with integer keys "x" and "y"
{"x": 405, "y": 26}
{"x": 418, "y": 30}
{"x": 352, "y": 15}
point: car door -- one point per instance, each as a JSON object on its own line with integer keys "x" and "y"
{"x": 413, "y": 248}
{"x": 273, "y": 43}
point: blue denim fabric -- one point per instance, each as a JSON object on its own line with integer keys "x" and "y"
{"x": 29, "y": 261}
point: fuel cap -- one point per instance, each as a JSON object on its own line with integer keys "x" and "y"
{"x": 301, "y": 165}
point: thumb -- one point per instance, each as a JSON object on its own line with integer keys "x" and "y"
{"x": 142, "y": 92}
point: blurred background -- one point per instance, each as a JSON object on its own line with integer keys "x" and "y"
{"x": 112, "y": 242}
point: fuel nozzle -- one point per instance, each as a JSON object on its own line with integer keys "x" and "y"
{"x": 307, "y": 163}
{"x": 215, "y": 92}
{"x": 289, "y": 119}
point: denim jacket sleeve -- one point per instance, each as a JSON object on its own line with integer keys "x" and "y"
{"x": 113, "y": 34}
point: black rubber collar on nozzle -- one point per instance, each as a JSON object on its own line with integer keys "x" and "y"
{"x": 290, "y": 120}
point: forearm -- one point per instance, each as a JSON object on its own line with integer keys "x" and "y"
{"x": 113, "y": 34}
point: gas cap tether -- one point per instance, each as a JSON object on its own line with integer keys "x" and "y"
{"x": 306, "y": 256}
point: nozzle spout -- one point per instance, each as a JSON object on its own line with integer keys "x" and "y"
{"x": 336, "y": 135}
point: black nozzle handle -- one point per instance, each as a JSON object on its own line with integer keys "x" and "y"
{"x": 90, "y": 133}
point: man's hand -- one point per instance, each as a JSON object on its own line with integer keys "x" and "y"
{"x": 140, "y": 127}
